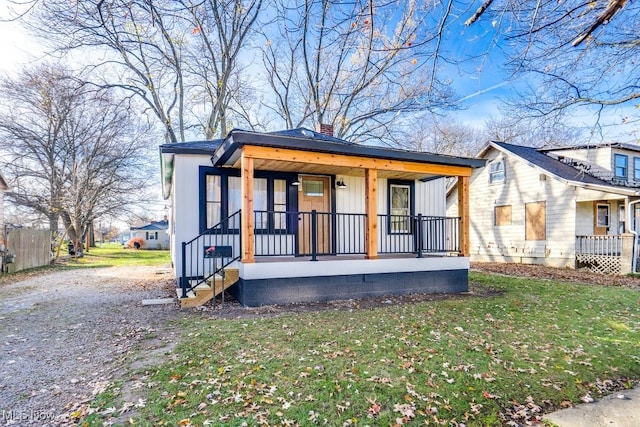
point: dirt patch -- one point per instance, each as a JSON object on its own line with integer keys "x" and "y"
{"x": 557, "y": 274}
{"x": 67, "y": 335}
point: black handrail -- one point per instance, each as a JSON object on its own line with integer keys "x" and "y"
{"x": 208, "y": 254}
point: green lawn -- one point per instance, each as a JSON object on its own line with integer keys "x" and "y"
{"x": 474, "y": 360}
{"x": 113, "y": 254}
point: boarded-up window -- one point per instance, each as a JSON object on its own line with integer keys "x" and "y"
{"x": 536, "y": 221}
{"x": 502, "y": 215}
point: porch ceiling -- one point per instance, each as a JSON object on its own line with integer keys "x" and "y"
{"x": 321, "y": 169}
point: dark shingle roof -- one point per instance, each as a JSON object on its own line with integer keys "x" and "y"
{"x": 192, "y": 147}
{"x": 551, "y": 165}
{"x": 307, "y": 140}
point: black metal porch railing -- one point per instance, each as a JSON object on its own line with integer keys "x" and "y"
{"x": 210, "y": 253}
{"x": 308, "y": 233}
{"x": 418, "y": 234}
{"x": 313, "y": 234}
{"x": 322, "y": 233}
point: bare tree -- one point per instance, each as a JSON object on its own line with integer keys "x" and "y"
{"x": 71, "y": 153}
{"x": 179, "y": 57}
{"x": 442, "y": 135}
{"x": 356, "y": 65}
{"x": 572, "y": 53}
{"x": 223, "y": 29}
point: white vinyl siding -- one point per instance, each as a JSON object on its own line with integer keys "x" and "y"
{"x": 507, "y": 242}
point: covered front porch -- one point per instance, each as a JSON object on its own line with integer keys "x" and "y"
{"x": 606, "y": 234}
{"x": 353, "y": 233}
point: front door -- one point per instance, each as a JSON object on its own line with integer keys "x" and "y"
{"x": 314, "y": 194}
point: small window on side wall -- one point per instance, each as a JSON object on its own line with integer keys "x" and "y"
{"x": 621, "y": 165}
{"x": 496, "y": 171}
{"x": 636, "y": 168}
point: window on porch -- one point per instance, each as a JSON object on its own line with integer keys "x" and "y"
{"x": 400, "y": 207}
{"x": 223, "y": 197}
{"x": 602, "y": 217}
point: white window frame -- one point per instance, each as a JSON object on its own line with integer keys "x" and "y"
{"x": 607, "y": 217}
{"x": 617, "y": 156}
{"x": 400, "y": 215}
{"x": 497, "y": 171}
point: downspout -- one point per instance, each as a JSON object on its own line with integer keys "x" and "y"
{"x": 634, "y": 261}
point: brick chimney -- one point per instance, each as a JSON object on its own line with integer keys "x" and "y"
{"x": 325, "y": 129}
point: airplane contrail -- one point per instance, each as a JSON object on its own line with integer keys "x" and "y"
{"x": 480, "y": 92}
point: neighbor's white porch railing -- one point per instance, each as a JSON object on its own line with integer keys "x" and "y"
{"x": 606, "y": 254}
{"x": 599, "y": 245}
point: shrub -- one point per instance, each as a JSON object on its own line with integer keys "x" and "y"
{"x": 135, "y": 243}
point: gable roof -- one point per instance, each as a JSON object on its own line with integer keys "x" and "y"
{"x": 554, "y": 167}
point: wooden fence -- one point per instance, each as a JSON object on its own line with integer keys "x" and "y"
{"x": 31, "y": 247}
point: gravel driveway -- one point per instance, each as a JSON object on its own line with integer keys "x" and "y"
{"x": 66, "y": 335}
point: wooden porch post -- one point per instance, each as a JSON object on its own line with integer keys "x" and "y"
{"x": 246, "y": 223}
{"x": 371, "y": 206}
{"x": 463, "y": 213}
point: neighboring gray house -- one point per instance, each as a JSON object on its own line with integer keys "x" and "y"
{"x": 568, "y": 206}
{"x": 155, "y": 234}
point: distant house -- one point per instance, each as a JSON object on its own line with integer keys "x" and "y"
{"x": 570, "y": 206}
{"x": 155, "y": 234}
{"x": 299, "y": 215}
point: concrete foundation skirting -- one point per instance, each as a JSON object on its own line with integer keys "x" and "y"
{"x": 258, "y": 292}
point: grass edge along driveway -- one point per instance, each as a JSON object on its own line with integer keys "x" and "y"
{"x": 516, "y": 350}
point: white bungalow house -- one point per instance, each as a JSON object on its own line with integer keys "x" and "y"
{"x": 297, "y": 215}
{"x": 568, "y": 206}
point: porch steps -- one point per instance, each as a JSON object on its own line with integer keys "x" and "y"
{"x": 203, "y": 293}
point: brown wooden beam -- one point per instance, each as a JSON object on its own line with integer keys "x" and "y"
{"x": 246, "y": 222}
{"x": 308, "y": 157}
{"x": 463, "y": 213}
{"x": 371, "y": 206}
